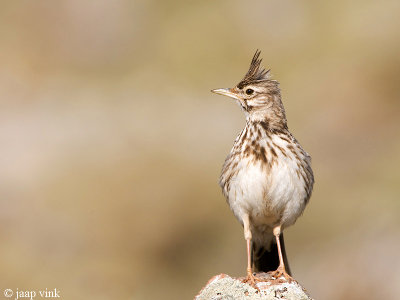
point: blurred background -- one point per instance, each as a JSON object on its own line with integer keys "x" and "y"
{"x": 112, "y": 144}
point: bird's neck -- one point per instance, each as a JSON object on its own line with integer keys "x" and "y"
{"x": 270, "y": 120}
{"x": 273, "y": 114}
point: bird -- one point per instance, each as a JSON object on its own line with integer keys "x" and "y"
{"x": 267, "y": 178}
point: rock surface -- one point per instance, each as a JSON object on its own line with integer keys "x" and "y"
{"x": 224, "y": 287}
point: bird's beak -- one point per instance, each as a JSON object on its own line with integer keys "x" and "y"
{"x": 226, "y": 92}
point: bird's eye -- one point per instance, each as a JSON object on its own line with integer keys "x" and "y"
{"x": 249, "y": 91}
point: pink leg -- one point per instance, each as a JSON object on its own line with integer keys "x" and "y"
{"x": 247, "y": 235}
{"x": 281, "y": 269}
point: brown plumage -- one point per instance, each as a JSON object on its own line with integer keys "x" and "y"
{"x": 256, "y": 73}
{"x": 267, "y": 177}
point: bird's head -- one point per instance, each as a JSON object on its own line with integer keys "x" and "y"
{"x": 257, "y": 94}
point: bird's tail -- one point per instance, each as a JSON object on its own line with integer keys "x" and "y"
{"x": 268, "y": 260}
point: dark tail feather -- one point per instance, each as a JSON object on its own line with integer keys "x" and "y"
{"x": 265, "y": 261}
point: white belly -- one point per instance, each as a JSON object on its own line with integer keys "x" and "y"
{"x": 270, "y": 197}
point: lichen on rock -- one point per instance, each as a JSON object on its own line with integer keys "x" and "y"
{"x": 224, "y": 287}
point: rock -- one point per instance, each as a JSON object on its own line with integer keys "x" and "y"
{"x": 224, "y": 287}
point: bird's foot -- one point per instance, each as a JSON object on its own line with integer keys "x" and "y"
{"x": 277, "y": 275}
{"x": 251, "y": 279}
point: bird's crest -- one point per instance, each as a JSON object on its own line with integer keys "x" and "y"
{"x": 256, "y": 73}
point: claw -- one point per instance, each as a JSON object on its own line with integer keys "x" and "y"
{"x": 279, "y": 273}
{"x": 251, "y": 280}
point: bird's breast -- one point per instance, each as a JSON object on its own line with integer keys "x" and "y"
{"x": 270, "y": 188}
{"x": 248, "y": 192}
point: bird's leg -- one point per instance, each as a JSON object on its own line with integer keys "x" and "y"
{"x": 281, "y": 268}
{"x": 247, "y": 235}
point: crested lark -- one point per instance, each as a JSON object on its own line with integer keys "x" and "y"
{"x": 267, "y": 177}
